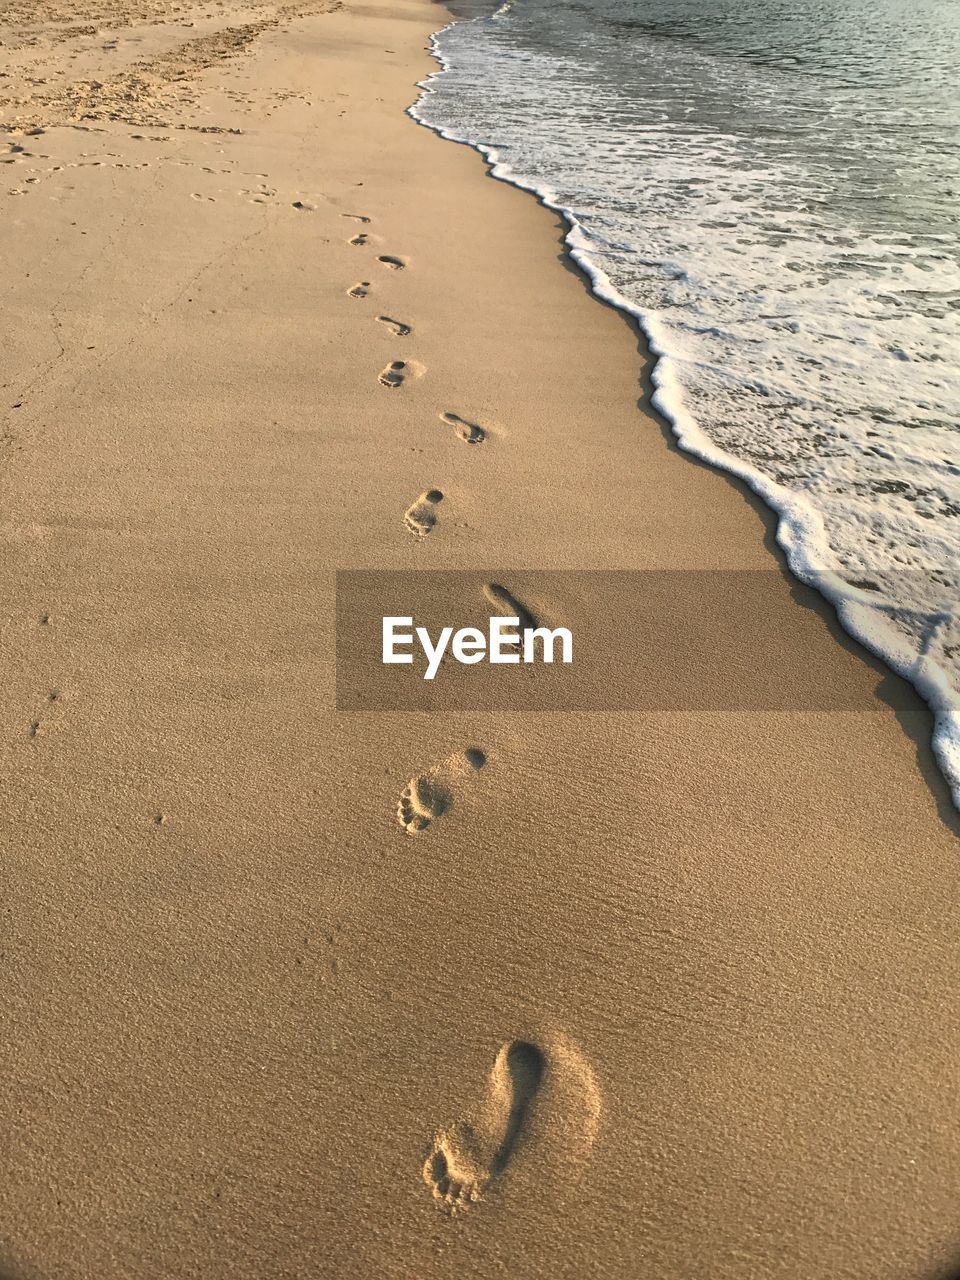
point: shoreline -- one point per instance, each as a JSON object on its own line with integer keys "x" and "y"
{"x": 301, "y": 993}
{"x": 798, "y": 526}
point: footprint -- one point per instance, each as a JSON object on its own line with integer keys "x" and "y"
{"x": 394, "y": 374}
{"x": 395, "y": 326}
{"x": 421, "y": 516}
{"x": 430, "y": 794}
{"x": 360, "y": 240}
{"x": 509, "y": 606}
{"x": 471, "y": 432}
{"x": 355, "y": 217}
{"x": 395, "y": 264}
{"x": 359, "y": 290}
{"x": 465, "y": 1158}
{"x": 263, "y": 195}
{"x": 305, "y": 206}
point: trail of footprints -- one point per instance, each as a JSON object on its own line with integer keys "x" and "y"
{"x": 420, "y": 518}
{"x": 467, "y": 1157}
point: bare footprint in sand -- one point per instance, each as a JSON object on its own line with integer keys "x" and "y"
{"x": 465, "y": 1158}
{"x": 430, "y": 794}
{"x": 359, "y": 290}
{"x": 421, "y": 516}
{"x": 395, "y": 326}
{"x": 394, "y": 375}
{"x": 470, "y": 432}
{"x": 395, "y": 264}
{"x": 508, "y": 606}
{"x": 540, "y": 1096}
{"x": 360, "y": 240}
{"x": 400, "y": 371}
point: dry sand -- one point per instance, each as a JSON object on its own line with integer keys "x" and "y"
{"x": 663, "y": 995}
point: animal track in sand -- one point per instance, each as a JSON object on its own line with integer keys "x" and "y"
{"x": 421, "y": 516}
{"x": 471, "y": 432}
{"x": 395, "y": 264}
{"x": 359, "y": 290}
{"x": 508, "y": 606}
{"x": 396, "y": 326}
{"x": 358, "y": 241}
{"x": 355, "y": 217}
{"x": 465, "y": 1158}
{"x": 430, "y": 794}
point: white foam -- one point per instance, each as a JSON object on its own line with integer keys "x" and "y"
{"x": 898, "y": 619}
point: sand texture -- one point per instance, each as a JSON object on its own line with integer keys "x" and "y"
{"x": 291, "y": 992}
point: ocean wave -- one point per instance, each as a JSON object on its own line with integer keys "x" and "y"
{"x": 864, "y": 505}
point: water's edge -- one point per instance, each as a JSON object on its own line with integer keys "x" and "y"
{"x": 800, "y": 533}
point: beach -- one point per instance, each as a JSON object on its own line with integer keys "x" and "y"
{"x": 290, "y": 991}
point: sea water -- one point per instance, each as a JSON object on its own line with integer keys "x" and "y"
{"x": 773, "y": 190}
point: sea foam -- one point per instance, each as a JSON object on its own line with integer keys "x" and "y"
{"x": 805, "y": 339}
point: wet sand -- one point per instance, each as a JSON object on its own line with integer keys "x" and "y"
{"x": 290, "y": 992}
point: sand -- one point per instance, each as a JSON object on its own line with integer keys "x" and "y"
{"x": 292, "y": 992}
